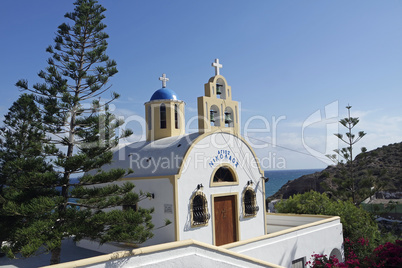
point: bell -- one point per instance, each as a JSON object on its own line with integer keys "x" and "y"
{"x": 212, "y": 115}
{"x": 218, "y": 89}
{"x": 228, "y": 120}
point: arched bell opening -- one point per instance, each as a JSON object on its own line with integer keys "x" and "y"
{"x": 214, "y": 116}
{"x": 228, "y": 117}
{"x": 220, "y": 88}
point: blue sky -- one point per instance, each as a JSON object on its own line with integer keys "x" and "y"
{"x": 296, "y": 63}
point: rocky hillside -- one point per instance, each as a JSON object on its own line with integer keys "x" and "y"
{"x": 383, "y": 164}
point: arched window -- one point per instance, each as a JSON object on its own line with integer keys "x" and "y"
{"x": 199, "y": 210}
{"x": 162, "y": 110}
{"x": 250, "y": 207}
{"x": 176, "y": 116}
{"x": 223, "y": 174}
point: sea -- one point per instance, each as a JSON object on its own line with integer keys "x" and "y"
{"x": 277, "y": 178}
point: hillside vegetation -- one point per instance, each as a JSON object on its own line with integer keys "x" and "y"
{"x": 383, "y": 165}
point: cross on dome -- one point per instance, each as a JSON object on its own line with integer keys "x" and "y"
{"x": 164, "y": 79}
{"x": 217, "y": 66}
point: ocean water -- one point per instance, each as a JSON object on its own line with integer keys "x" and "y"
{"x": 277, "y": 178}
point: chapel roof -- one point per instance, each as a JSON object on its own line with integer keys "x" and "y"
{"x": 155, "y": 158}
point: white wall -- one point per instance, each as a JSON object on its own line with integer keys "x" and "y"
{"x": 277, "y": 221}
{"x": 197, "y": 169}
{"x": 163, "y": 192}
{"x": 284, "y": 247}
{"x": 177, "y": 254}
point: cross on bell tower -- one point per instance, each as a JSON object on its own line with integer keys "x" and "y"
{"x": 164, "y": 79}
{"x": 217, "y": 66}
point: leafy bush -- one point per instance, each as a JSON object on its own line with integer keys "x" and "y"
{"x": 357, "y": 223}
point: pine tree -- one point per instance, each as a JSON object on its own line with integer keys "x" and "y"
{"x": 83, "y": 132}
{"x": 26, "y": 177}
{"x": 347, "y": 186}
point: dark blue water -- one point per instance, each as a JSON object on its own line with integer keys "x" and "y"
{"x": 277, "y": 178}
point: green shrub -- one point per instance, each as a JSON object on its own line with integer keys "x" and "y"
{"x": 356, "y": 222}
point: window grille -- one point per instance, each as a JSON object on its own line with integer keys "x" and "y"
{"x": 200, "y": 215}
{"x": 250, "y": 204}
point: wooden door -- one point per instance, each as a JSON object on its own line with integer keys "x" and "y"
{"x": 225, "y": 219}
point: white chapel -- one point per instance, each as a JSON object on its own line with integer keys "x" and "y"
{"x": 209, "y": 185}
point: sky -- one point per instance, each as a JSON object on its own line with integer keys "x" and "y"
{"x": 293, "y": 65}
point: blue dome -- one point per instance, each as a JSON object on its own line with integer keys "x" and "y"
{"x": 164, "y": 94}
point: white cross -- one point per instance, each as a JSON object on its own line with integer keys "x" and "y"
{"x": 217, "y": 66}
{"x": 164, "y": 79}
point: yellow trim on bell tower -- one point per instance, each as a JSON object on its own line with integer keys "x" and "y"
{"x": 217, "y": 110}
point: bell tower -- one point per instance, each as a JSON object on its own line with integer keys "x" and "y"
{"x": 217, "y": 110}
{"x": 164, "y": 113}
